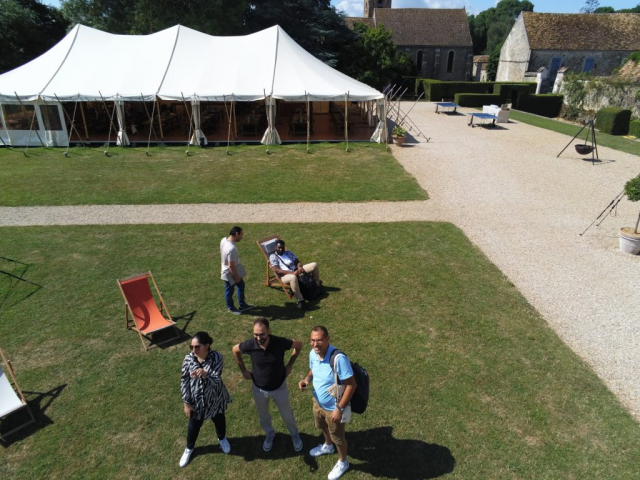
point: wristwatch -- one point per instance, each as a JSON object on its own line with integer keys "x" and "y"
{"x": 339, "y": 408}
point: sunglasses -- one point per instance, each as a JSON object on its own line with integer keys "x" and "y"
{"x": 195, "y": 347}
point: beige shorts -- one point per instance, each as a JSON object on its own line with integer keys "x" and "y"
{"x": 322, "y": 418}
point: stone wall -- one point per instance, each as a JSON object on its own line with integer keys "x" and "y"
{"x": 514, "y": 55}
{"x": 434, "y": 62}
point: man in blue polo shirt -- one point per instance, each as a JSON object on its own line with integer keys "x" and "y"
{"x": 269, "y": 374}
{"x": 327, "y": 410}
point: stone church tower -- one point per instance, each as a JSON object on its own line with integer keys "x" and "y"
{"x": 370, "y": 5}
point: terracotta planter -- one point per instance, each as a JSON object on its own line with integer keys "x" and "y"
{"x": 398, "y": 140}
{"x": 629, "y": 241}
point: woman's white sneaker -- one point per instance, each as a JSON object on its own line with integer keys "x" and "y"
{"x": 224, "y": 445}
{"x": 184, "y": 460}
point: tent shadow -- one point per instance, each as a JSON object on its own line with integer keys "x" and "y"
{"x": 18, "y": 285}
{"x": 382, "y": 455}
{"x": 38, "y": 402}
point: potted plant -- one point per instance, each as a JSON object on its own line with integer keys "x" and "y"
{"x": 630, "y": 237}
{"x": 398, "y": 133}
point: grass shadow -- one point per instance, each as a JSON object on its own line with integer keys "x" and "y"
{"x": 38, "y": 402}
{"x": 16, "y": 280}
{"x": 382, "y": 455}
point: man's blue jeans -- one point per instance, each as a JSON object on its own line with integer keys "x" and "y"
{"x": 228, "y": 294}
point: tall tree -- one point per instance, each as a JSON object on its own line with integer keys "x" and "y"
{"x": 215, "y": 17}
{"x": 314, "y": 24}
{"x": 492, "y": 26}
{"x": 28, "y": 28}
{"x": 590, "y": 6}
{"x": 372, "y": 57}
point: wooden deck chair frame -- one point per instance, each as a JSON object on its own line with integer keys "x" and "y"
{"x": 130, "y": 322}
{"x": 272, "y": 276}
{"x": 9, "y": 368}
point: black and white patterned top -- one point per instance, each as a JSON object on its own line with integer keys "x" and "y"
{"x": 208, "y": 396}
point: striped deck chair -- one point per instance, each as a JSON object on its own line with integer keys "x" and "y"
{"x": 267, "y": 247}
{"x": 11, "y": 397}
{"x": 145, "y": 319}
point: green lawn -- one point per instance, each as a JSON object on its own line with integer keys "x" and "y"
{"x": 467, "y": 378}
{"x": 611, "y": 141}
{"x": 329, "y": 174}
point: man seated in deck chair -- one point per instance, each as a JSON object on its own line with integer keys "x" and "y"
{"x": 288, "y": 267}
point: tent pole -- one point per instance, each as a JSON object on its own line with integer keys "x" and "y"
{"x": 266, "y": 107}
{"x": 228, "y": 112}
{"x": 346, "y": 120}
{"x": 184, "y": 102}
{"x": 150, "y": 118}
{"x": 84, "y": 121}
{"x": 24, "y": 110}
{"x": 71, "y": 127}
{"x": 151, "y": 129}
{"x": 106, "y": 109}
{"x": 159, "y": 120}
{"x": 308, "y": 122}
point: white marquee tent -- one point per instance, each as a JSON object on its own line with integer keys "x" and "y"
{"x": 175, "y": 64}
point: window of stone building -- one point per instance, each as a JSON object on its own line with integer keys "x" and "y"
{"x": 589, "y": 63}
{"x": 419, "y": 61}
{"x": 450, "y": 61}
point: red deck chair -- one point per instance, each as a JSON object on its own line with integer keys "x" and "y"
{"x": 11, "y": 397}
{"x": 146, "y": 319}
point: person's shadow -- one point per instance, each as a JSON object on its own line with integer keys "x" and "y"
{"x": 382, "y": 455}
{"x": 376, "y": 451}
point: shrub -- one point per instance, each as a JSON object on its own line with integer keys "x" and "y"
{"x": 614, "y": 121}
{"x": 511, "y": 92}
{"x": 436, "y": 90}
{"x": 634, "y": 128}
{"x": 546, "y": 105}
{"x": 476, "y": 99}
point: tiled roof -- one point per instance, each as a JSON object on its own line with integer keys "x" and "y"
{"x": 426, "y": 26}
{"x": 351, "y": 20}
{"x": 583, "y": 31}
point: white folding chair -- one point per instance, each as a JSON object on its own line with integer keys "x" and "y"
{"x": 11, "y": 397}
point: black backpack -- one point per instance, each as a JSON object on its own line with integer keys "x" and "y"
{"x": 360, "y": 398}
{"x": 308, "y": 286}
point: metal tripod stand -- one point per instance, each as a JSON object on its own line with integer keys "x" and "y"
{"x": 584, "y": 148}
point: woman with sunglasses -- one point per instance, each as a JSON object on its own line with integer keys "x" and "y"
{"x": 203, "y": 393}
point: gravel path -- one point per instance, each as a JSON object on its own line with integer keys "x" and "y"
{"x": 519, "y": 204}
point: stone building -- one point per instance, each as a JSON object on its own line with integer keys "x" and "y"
{"x": 546, "y": 42}
{"x": 439, "y": 40}
{"x": 480, "y": 63}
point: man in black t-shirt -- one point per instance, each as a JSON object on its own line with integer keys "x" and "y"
{"x": 268, "y": 373}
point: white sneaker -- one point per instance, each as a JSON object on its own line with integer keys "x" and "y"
{"x": 224, "y": 445}
{"x": 322, "y": 449}
{"x": 184, "y": 460}
{"x": 338, "y": 470}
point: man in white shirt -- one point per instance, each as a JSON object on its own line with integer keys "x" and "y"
{"x": 232, "y": 271}
{"x": 288, "y": 267}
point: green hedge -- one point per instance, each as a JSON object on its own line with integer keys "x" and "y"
{"x": 436, "y": 90}
{"x": 634, "y": 128}
{"x": 476, "y": 99}
{"x": 546, "y": 105}
{"x": 506, "y": 91}
{"x": 614, "y": 121}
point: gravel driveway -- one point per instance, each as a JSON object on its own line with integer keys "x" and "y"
{"x": 523, "y": 207}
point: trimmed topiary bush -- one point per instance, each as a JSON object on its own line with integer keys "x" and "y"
{"x": 614, "y": 121}
{"x": 510, "y": 93}
{"x": 546, "y": 105}
{"x": 634, "y": 128}
{"x": 476, "y": 99}
{"x": 436, "y": 90}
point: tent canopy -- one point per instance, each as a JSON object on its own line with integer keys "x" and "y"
{"x": 89, "y": 64}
